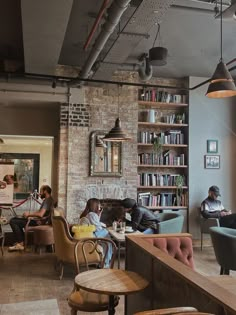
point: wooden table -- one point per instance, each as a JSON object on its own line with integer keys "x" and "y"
{"x": 111, "y": 282}
{"x": 120, "y": 238}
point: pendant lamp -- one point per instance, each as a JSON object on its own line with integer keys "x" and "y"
{"x": 116, "y": 134}
{"x": 222, "y": 83}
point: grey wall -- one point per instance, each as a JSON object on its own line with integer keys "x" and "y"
{"x": 210, "y": 119}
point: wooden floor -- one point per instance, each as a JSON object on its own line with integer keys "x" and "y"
{"x": 30, "y": 276}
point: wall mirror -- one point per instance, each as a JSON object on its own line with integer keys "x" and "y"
{"x": 105, "y": 157}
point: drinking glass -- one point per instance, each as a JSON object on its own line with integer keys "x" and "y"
{"x": 122, "y": 226}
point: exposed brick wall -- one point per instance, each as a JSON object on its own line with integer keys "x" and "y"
{"x": 98, "y": 111}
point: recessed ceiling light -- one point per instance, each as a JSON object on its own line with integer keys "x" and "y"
{"x": 155, "y": 11}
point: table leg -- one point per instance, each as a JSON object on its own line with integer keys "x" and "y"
{"x": 118, "y": 255}
{"x": 111, "y": 309}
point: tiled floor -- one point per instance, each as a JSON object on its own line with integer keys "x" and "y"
{"x": 31, "y": 277}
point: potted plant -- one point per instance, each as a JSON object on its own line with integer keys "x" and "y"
{"x": 157, "y": 145}
{"x": 179, "y": 183}
{"x": 179, "y": 119}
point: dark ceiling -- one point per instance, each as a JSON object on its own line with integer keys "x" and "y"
{"x": 48, "y": 37}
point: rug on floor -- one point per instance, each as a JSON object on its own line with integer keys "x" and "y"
{"x": 40, "y": 307}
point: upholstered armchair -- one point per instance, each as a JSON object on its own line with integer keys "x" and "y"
{"x": 65, "y": 246}
{"x": 224, "y": 244}
{"x": 170, "y": 222}
{"x": 43, "y": 233}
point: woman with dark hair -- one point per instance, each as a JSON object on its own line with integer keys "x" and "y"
{"x": 93, "y": 213}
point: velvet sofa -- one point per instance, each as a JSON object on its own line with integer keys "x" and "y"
{"x": 166, "y": 261}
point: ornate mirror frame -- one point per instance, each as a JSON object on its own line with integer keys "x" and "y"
{"x": 105, "y": 157}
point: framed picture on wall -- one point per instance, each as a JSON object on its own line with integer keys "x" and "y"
{"x": 212, "y": 161}
{"x": 212, "y": 146}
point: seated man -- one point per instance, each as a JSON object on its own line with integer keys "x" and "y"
{"x": 142, "y": 219}
{"x": 213, "y": 208}
{"x": 18, "y": 224}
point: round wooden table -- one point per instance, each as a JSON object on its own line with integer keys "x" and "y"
{"x": 111, "y": 282}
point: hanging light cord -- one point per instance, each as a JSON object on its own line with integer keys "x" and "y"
{"x": 158, "y": 31}
{"x": 221, "y": 32}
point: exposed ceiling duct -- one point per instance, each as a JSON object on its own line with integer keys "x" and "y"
{"x": 115, "y": 12}
{"x": 145, "y": 69}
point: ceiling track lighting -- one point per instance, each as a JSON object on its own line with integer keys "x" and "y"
{"x": 221, "y": 83}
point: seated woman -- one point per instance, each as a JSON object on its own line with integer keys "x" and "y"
{"x": 93, "y": 213}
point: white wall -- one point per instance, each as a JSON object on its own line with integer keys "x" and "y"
{"x": 210, "y": 119}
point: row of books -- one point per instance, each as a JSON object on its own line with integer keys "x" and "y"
{"x": 168, "y": 137}
{"x": 157, "y": 95}
{"x": 168, "y": 157}
{"x": 157, "y": 179}
{"x": 161, "y": 199}
{"x": 154, "y": 116}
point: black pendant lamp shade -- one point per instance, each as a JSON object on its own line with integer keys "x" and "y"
{"x": 222, "y": 83}
{"x": 116, "y": 134}
{"x": 158, "y": 56}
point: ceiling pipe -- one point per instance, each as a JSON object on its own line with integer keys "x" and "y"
{"x": 116, "y": 10}
{"x": 145, "y": 70}
{"x": 68, "y": 80}
{"x": 95, "y": 25}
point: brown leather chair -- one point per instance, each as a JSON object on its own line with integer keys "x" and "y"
{"x": 65, "y": 246}
{"x": 82, "y": 300}
{"x": 43, "y": 231}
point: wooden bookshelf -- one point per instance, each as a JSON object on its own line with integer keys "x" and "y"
{"x": 163, "y": 120}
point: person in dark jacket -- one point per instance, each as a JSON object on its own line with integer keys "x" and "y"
{"x": 211, "y": 207}
{"x": 142, "y": 219}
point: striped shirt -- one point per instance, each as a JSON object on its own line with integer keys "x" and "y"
{"x": 211, "y": 208}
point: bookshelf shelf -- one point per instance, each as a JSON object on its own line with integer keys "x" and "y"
{"x": 163, "y": 145}
{"x": 160, "y": 187}
{"x": 162, "y": 166}
{"x": 160, "y": 124}
{"x": 163, "y": 104}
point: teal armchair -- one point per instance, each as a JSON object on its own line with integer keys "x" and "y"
{"x": 224, "y": 244}
{"x": 170, "y": 222}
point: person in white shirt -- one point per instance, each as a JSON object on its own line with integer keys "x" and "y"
{"x": 211, "y": 207}
{"x": 93, "y": 213}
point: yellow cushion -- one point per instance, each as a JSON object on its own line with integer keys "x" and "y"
{"x": 82, "y": 231}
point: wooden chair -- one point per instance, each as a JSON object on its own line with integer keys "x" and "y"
{"x": 81, "y": 300}
{"x": 206, "y": 224}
